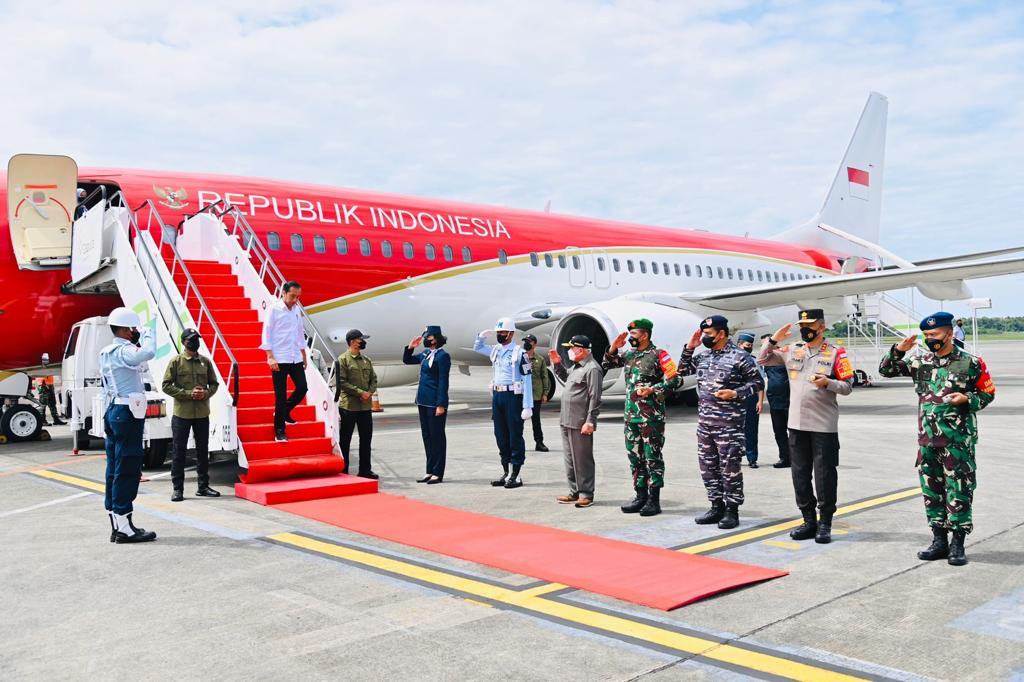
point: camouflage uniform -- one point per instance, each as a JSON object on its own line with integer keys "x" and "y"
{"x": 645, "y": 417}
{"x": 721, "y": 443}
{"x": 947, "y": 433}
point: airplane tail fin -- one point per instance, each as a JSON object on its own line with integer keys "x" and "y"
{"x": 854, "y": 201}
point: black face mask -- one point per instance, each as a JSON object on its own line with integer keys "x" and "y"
{"x": 504, "y": 337}
{"x": 633, "y": 341}
{"x": 429, "y": 342}
{"x": 362, "y": 344}
{"x": 192, "y": 343}
{"x": 136, "y": 335}
{"x": 708, "y": 341}
{"x": 808, "y": 334}
{"x": 527, "y": 345}
{"x": 749, "y": 349}
{"x": 935, "y": 345}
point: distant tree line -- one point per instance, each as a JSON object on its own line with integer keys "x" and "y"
{"x": 986, "y": 325}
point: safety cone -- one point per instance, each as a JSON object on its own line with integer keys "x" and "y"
{"x": 376, "y": 404}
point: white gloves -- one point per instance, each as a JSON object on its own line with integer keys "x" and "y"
{"x": 527, "y": 413}
{"x": 485, "y": 332}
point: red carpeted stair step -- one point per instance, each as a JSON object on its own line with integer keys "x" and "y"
{"x": 265, "y": 432}
{"x": 302, "y": 489}
{"x": 293, "y": 467}
{"x": 293, "y": 447}
{"x": 256, "y": 398}
{"x": 201, "y": 267}
{"x": 265, "y": 415}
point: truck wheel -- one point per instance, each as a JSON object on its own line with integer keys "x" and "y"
{"x": 21, "y": 423}
{"x": 156, "y": 453}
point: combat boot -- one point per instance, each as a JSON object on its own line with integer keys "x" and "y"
{"x": 808, "y": 529}
{"x": 731, "y": 518}
{"x": 713, "y": 515}
{"x": 178, "y": 495}
{"x": 637, "y": 504}
{"x": 128, "y": 533}
{"x": 514, "y": 481}
{"x": 957, "y": 557}
{"x": 206, "y": 491}
{"x": 939, "y": 549}
{"x": 113, "y": 526}
{"x": 500, "y": 483}
{"x": 824, "y": 534}
{"x": 653, "y": 505}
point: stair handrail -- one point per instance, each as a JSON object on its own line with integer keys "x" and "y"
{"x": 265, "y": 266}
{"x": 167, "y": 231}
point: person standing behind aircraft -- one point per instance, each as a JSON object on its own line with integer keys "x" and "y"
{"x": 511, "y": 398}
{"x": 355, "y": 384}
{"x": 432, "y": 397}
{"x": 541, "y": 385}
{"x": 581, "y": 401}
{"x": 283, "y": 340}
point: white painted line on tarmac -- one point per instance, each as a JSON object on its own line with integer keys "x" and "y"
{"x": 59, "y": 500}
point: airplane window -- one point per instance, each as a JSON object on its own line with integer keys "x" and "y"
{"x": 467, "y": 255}
{"x": 534, "y": 260}
{"x": 247, "y": 240}
{"x": 319, "y": 244}
{"x": 575, "y": 262}
{"x": 654, "y": 268}
{"x": 407, "y": 250}
{"x": 561, "y": 260}
{"x": 643, "y": 267}
{"x": 776, "y": 275}
{"x": 548, "y": 260}
{"x": 629, "y": 265}
{"x": 750, "y": 275}
{"x": 341, "y": 245}
{"x": 449, "y": 255}
{"x": 721, "y": 275}
{"x": 430, "y": 251}
{"x": 707, "y": 271}
{"x": 665, "y": 269}
{"x": 615, "y": 264}
{"x": 729, "y": 271}
{"x": 297, "y": 242}
{"x": 364, "y": 247}
{"x": 739, "y": 273}
{"x": 760, "y": 276}
{"x": 700, "y": 271}
{"x": 600, "y": 264}
{"x": 273, "y": 241}
{"x": 385, "y": 248}
{"x": 502, "y": 257}
{"x": 679, "y": 272}
{"x": 689, "y": 272}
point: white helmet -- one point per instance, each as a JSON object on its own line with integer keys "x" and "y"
{"x": 505, "y": 324}
{"x": 122, "y": 317}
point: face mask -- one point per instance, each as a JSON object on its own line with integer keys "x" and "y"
{"x": 808, "y": 334}
{"x": 633, "y": 341}
{"x": 136, "y": 335}
{"x": 935, "y": 345}
{"x": 527, "y": 345}
{"x": 749, "y": 349}
{"x": 504, "y": 337}
{"x": 708, "y": 341}
{"x": 192, "y": 344}
{"x": 577, "y": 355}
{"x": 362, "y": 344}
{"x": 429, "y": 341}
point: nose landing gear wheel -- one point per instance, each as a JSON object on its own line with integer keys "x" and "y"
{"x": 21, "y": 423}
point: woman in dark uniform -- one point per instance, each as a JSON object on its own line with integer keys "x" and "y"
{"x": 432, "y": 397}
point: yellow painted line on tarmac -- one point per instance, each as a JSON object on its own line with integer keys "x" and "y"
{"x": 778, "y": 528}
{"x": 71, "y": 480}
{"x": 32, "y": 468}
{"x": 782, "y": 544}
{"x": 607, "y": 623}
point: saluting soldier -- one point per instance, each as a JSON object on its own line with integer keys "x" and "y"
{"x": 818, "y": 372}
{"x": 726, "y": 377}
{"x": 190, "y": 379}
{"x": 951, "y": 385}
{"x": 649, "y": 373}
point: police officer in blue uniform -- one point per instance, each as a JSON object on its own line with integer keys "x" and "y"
{"x": 122, "y": 364}
{"x": 432, "y": 397}
{"x": 752, "y": 406}
{"x": 511, "y": 397}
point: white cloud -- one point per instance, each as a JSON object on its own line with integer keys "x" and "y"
{"x": 730, "y": 117}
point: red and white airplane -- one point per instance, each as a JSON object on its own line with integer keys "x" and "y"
{"x": 390, "y": 264}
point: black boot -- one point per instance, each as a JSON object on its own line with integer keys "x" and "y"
{"x": 713, "y": 515}
{"x": 178, "y": 495}
{"x": 206, "y": 491}
{"x": 957, "y": 557}
{"x": 653, "y": 505}
{"x": 939, "y": 549}
{"x": 808, "y": 529}
{"x": 501, "y": 481}
{"x": 824, "y": 534}
{"x": 781, "y": 464}
{"x": 731, "y": 518}
{"x": 541, "y": 447}
{"x": 637, "y": 504}
{"x": 127, "y": 532}
{"x": 113, "y": 526}
{"x": 514, "y": 481}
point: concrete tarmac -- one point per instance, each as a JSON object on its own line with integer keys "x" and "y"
{"x": 227, "y": 592}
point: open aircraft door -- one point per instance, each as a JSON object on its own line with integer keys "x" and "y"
{"x": 40, "y": 205}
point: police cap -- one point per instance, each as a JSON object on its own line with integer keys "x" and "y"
{"x": 810, "y": 315}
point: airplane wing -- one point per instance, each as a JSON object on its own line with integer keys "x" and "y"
{"x": 752, "y": 297}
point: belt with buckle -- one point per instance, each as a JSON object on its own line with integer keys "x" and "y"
{"x": 502, "y": 389}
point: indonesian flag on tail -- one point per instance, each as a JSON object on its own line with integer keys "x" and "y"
{"x": 859, "y": 182}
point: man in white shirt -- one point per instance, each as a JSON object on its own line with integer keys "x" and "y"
{"x": 284, "y": 342}
{"x": 959, "y": 335}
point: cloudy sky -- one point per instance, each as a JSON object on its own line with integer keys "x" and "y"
{"x": 728, "y": 116}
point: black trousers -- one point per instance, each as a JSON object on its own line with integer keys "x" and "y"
{"x": 538, "y": 432}
{"x": 180, "y": 428}
{"x": 779, "y": 420}
{"x": 283, "y": 403}
{"x": 52, "y": 406}
{"x": 363, "y": 420}
{"x": 817, "y": 454}
{"x": 435, "y": 442}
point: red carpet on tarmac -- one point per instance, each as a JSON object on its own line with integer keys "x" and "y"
{"x": 650, "y": 576}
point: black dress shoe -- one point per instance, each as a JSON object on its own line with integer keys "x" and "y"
{"x": 425, "y": 479}
{"x": 177, "y": 496}
{"x": 432, "y": 481}
{"x": 781, "y": 464}
{"x": 542, "y": 448}
{"x": 753, "y": 465}
{"x": 207, "y": 491}
{"x": 290, "y": 420}
{"x": 369, "y": 474}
